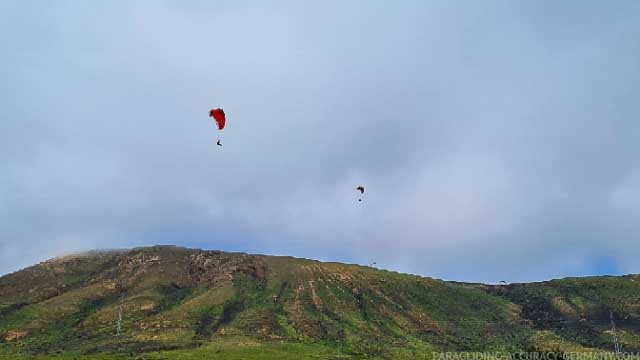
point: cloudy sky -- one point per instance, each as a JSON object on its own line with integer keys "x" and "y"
{"x": 497, "y": 140}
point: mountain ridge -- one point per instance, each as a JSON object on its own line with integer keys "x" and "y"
{"x": 86, "y": 253}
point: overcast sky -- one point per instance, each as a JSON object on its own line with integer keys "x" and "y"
{"x": 497, "y": 140}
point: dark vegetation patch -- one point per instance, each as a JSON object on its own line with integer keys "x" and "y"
{"x": 172, "y": 295}
{"x": 217, "y": 316}
{"x": 6, "y": 310}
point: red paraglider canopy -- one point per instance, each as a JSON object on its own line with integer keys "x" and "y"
{"x": 218, "y": 115}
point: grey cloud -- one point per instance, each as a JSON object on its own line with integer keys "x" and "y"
{"x": 496, "y": 140}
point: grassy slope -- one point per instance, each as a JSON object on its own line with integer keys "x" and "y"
{"x": 180, "y": 303}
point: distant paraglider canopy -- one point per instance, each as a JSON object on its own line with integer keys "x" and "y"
{"x": 218, "y": 115}
{"x": 361, "y": 189}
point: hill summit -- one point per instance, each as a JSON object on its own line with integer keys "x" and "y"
{"x": 171, "y": 302}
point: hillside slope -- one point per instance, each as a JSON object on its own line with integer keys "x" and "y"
{"x": 193, "y": 301}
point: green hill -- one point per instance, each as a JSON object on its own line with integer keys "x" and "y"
{"x": 177, "y": 303}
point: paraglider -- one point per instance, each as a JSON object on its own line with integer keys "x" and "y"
{"x": 361, "y": 189}
{"x": 220, "y": 118}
